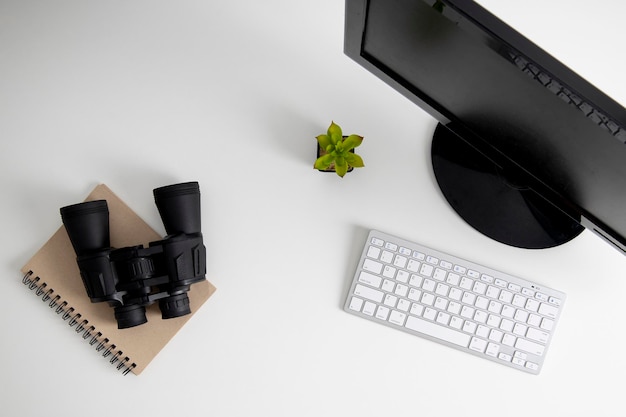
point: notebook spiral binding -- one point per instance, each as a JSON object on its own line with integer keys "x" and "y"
{"x": 81, "y": 326}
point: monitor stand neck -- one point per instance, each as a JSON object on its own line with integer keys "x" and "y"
{"x": 497, "y": 204}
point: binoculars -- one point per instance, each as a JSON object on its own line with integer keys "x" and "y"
{"x": 132, "y": 278}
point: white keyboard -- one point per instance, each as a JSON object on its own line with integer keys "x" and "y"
{"x": 455, "y": 302}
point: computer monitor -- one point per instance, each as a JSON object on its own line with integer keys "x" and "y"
{"x": 526, "y": 151}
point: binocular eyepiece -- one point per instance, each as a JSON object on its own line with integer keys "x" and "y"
{"x": 131, "y": 278}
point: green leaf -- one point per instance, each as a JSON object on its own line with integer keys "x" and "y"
{"x": 352, "y": 142}
{"x": 324, "y": 161}
{"x": 324, "y": 141}
{"x": 354, "y": 160}
{"x": 341, "y": 168}
{"x": 334, "y": 132}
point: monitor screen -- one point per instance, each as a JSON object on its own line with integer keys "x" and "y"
{"x": 526, "y": 151}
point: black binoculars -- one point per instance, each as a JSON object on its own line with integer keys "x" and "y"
{"x": 131, "y": 278}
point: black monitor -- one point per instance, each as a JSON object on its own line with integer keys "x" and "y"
{"x": 526, "y": 151}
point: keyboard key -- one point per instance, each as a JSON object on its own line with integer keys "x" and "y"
{"x": 454, "y": 307}
{"x": 443, "y": 318}
{"x": 372, "y": 266}
{"x": 495, "y": 307}
{"x": 555, "y": 301}
{"x": 386, "y": 257}
{"x": 492, "y": 292}
{"x": 389, "y": 271}
{"x": 437, "y": 331}
{"x": 429, "y": 285}
{"x": 482, "y": 331}
{"x": 468, "y": 298}
{"x": 547, "y": 324}
{"x": 455, "y": 294}
{"x": 453, "y": 279}
{"x": 456, "y": 322}
{"x": 532, "y": 365}
{"x": 373, "y": 252}
{"x": 382, "y": 313}
{"x": 518, "y": 361}
{"x": 495, "y": 335}
{"x": 529, "y": 346}
{"x": 391, "y": 246}
{"x": 413, "y": 265}
{"x": 537, "y": 335}
{"x": 405, "y": 251}
{"x": 459, "y": 269}
{"x": 469, "y": 327}
{"x": 426, "y": 270}
{"x": 466, "y": 283}
{"x": 428, "y": 299}
{"x": 506, "y": 296}
{"x": 402, "y": 276}
{"x": 445, "y": 264}
{"x": 534, "y": 320}
{"x": 414, "y": 294}
{"x": 432, "y": 260}
{"x": 369, "y": 293}
{"x": 532, "y": 305}
{"x": 388, "y": 285}
{"x": 401, "y": 290}
{"x": 369, "y": 308}
{"x": 415, "y": 281}
{"x": 479, "y": 287}
{"x": 501, "y": 283}
{"x": 397, "y": 317}
{"x": 492, "y": 349}
{"x": 494, "y": 321}
{"x": 467, "y": 312}
{"x": 370, "y": 279}
{"x": 400, "y": 261}
{"x": 482, "y": 303}
{"x": 441, "y": 303}
{"x": 440, "y": 274}
{"x": 442, "y": 289}
{"x": 519, "y": 301}
{"x": 356, "y": 304}
{"x": 486, "y": 278}
{"x": 390, "y": 300}
{"x": 403, "y": 305}
{"x": 430, "y": 313}
{"x": 548, "y": 310}
{"x": 521, "y": 316}
{"x": 417, "y": 309}
{"x": 478, "y": 345}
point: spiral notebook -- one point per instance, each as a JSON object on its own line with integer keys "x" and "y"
{"x": 53, "y": 275}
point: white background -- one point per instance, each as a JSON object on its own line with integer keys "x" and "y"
{"x": 140, "y": 94}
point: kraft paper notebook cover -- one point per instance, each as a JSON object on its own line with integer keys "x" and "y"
{"x": 54, "y": 275}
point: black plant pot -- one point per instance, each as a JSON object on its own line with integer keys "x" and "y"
{"x": 331, "y": 168}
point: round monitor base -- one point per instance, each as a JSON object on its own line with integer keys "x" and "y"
{"x": 493, "y": 203}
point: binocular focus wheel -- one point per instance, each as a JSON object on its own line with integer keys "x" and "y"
{"x": 130, "y": 316}
{"x": 175, "y": 306}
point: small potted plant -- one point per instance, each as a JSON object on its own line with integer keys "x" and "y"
{"x": 335, "y": 152}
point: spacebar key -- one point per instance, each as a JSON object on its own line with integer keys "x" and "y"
{"x": 437, "y": 331}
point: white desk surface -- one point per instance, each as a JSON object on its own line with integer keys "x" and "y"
{"x": 139, "y": 94}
